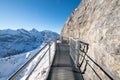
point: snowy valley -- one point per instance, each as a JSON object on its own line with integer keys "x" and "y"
{"x": 19, "y": 46}
{"x": 19, "y": 41}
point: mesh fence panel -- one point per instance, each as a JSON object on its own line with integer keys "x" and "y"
{"x": 74, "y": 51}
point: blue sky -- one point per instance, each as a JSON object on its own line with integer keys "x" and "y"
{"x": 39, "y": 14}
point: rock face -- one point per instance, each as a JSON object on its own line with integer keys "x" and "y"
{"x": 97, "y": 22}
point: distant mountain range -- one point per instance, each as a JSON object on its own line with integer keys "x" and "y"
{"x": 14, "y": 42}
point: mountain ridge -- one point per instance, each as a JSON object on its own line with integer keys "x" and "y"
{"x": 19, "y": 41}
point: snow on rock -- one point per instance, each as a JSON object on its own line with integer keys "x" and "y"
{"x": 19, "y": 41}
{"x": 19, "y": 46}
{"x": 11, "y": 64}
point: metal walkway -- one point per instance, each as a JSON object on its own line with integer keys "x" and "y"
{"x": 63, "y": 67}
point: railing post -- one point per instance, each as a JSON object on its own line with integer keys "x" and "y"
{"x": 55, "y": 44}
{"x": 49, "y": 55}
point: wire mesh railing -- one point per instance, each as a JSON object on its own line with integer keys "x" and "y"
{"x": 43, "y": 61}
{"x": 78, "y": 52}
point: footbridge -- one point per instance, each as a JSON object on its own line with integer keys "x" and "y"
{"x": 59, "y": 61}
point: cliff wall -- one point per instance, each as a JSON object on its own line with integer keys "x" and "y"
{"x": 97, "y": 22}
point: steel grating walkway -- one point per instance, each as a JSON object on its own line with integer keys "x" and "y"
{"x": 63, "y": 67}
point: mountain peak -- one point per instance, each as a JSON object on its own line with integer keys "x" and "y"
{"x": 34, "y": 30}
{"x": 21, "y": 30}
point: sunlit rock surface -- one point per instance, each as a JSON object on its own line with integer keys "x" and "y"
{"x": 97, "y": 22}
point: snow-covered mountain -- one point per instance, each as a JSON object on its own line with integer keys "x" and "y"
{"x": 14, "y": 42}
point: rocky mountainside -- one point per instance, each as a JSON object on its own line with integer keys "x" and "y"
{"x": 97, "y": 22}
{"x": 19, "y": 41}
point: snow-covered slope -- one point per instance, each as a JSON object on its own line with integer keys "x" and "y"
{"x": 14, "y": 42}
{"x": 9, "y": 65}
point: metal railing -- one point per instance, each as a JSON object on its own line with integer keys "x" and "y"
{"x": 78, "y": 51}
{"x": 41, "y": 56}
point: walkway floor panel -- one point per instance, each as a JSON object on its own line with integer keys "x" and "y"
{"x": 63, "y": 67}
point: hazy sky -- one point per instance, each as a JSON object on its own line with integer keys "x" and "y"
{"x": 39, "y": 14}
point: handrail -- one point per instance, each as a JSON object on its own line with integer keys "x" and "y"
{"x": 28, "y": 62}
{"x": 90, "y": 66}
{"x": 37, "y": 64}
{"x": 97, "y": 65}
{"x": 50, "y": 62}
{"x": 85, "y": 52}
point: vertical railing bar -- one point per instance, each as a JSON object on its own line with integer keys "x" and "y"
{"x": 49, "y": 55}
